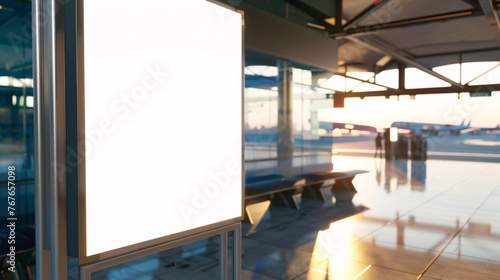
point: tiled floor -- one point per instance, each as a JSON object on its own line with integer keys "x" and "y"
{"x": 444, "y": 223}
{"x": 412, "y": 220}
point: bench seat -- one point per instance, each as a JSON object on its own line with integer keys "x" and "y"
{"x": 276, "y": 189}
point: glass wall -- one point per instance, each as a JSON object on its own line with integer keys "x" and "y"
{"x": 311, "y": 152}
{"x": 16, "y": 135}
{"x": 196, "y": 260}
{"x": 16, "y": 90}
{"x": 455, "y": 125}
{"x": 16, "y": 107}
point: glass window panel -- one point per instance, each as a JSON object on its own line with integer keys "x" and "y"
{"x": 261, "y": 126}
{"x": 492, "y": 77}
{"x": 472, "y": 70}
{"x": 415, "y": 78}
{"x": 451, "y": 71}
{"x": 16, "y": 90}
{"x": 196, "y": 260}
{"x": 388, "y": 78}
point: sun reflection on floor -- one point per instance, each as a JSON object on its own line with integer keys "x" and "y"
{"x": 332, "y": 252}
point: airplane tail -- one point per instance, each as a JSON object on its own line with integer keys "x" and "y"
{"x": 465, "y": 124}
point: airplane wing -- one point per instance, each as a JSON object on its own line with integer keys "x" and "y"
{"x": 330, "y": 126}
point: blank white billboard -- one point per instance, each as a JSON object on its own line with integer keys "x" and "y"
{"x": 163, "y": 119}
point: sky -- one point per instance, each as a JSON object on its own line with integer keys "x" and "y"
{"x": 435, "y": 108}
{"x": 438, "y": 108}
{"x": 381, "y": 112}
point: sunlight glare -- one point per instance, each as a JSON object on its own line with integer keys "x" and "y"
{"x": 450, "y": 71}
{"x": 492, "y": 77}
{"x": 344, "y": 163}
{"x": 471, "y": 70}
{"x": 416, "y": 78}
{"x": 332, "y": 245}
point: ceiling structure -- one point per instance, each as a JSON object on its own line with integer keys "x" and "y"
{"x": 377, "y": 35}
{"x": 370, "y": 36}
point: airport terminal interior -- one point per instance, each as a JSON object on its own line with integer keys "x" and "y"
{"x": 371, "y": 145}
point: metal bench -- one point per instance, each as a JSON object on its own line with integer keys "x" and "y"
{"x": 261, "y": 191}
{"x": 276, "y": 189}
{"x": 325, "y": 184}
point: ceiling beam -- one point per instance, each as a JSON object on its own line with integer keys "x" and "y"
{"x": 441, "y": 90}
{"x": 456, "y": 52}
{"x": 372, "y": 45}
{"x": 339, "y": 15}
{"x": 482, "y": 74}
{"x": 492, "y": 17}
{"x": 389, "y": 89}
{"x": 316, "y": 14}
{"x": 366, "y": 80}
{"x": 330, "y": 74}
{"x": 364, "y": 14}
{"x": 368, "y": 29}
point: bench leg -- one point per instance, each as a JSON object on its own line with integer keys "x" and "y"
{"x": 288, "y": 199}
{"x": 318, "y": 192}
{"x": 254, "y": 214}
{"x": 343, "y": 191}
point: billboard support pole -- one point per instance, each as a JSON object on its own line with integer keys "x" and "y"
{"x": 50, "y": 139}
{"x": 223, "y": 256}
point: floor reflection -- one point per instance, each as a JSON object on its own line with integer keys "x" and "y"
{"x": 425, "y": 220}
{"x": 418, "y": 175}
{"x": 429, "y": 219}
{"x": 332, "y": 245}
{"x": 400, "y": 173}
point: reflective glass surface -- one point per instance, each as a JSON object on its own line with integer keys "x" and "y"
{"x": 433, "y": 219}
{"x": 16, "y": 90}
{"x": 309, "y": 151}
{"x": 197, "y": 260}
{"x": 17, "y": 233}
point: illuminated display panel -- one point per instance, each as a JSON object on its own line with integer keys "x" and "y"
{"x": 163, "y": 119}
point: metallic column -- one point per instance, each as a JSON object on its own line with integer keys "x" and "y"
{"x": 223, "y": 267}
{"x": 50, "y": 153}
{"x": 401, "y": 76}
{"x": 237, "y": 253}
{"x": 285, "y": 113}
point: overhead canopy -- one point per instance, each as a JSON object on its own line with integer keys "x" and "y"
{"x": 277, "y": 36}
{"x": 448, "y": 31}
{"x": 376, "y": 35}
{"x": 426, "y": 33}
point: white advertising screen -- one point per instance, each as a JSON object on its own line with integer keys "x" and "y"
{"x": 163, "y": 119}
